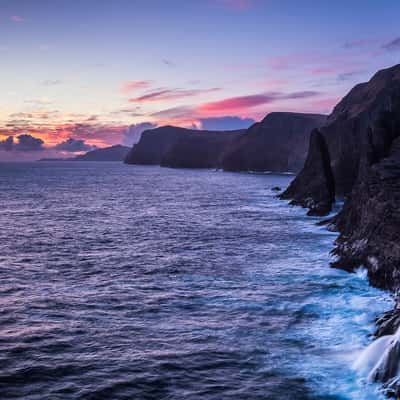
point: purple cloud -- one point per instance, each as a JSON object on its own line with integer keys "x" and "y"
{"x": 392, "y": 45}
{"x": 74, "y": 145}
{"x": 17, "y": 18}
{"x": 23, "y": 143}
{"x": 133, "y": 133}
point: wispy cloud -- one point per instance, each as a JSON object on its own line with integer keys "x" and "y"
{"x": 17, "y": 18}
{"x": 49, "y": 82}
{"x": 38, "y": 102}
{"x": 170, "y": 94}
{"x": 168, "y": 63}
{"x": 130, "y": 86}
{"x": 242, "y": 103}
{"x": 393, "y": 45}
{"x": 234, "y": 5}
{"x": 360, "y": 43}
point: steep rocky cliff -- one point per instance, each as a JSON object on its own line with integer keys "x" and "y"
{"x": 361, "y": 140}
{"x": 357, "y": 134}
{"x": 179, "y": 147}
{"x": 278, "y": 143}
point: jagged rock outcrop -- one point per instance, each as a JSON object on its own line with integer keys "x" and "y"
{"x": 278, "y": 143}
{"x": 369, "y": 223}
{"x": 179, "y": 147}
{"x": 314, "y": 187}
{"x": 360, "y": 130}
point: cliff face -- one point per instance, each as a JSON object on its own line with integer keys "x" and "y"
{"x": 199, "y": 149}
{"x": 277, "y": 143}
{"x": 362, "y": 143}
{"x": 113, "y": 153}
{"x": 358, "y": 133}
{"x": 369, "y": 223}
{"x": 178, "y": 147}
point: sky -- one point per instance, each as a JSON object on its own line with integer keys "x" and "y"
{"x": 76, "y": 75}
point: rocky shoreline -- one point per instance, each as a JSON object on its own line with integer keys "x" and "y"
{"x": 356, "y": 156}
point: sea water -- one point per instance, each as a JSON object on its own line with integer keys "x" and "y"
{"x": 130, "y": 282}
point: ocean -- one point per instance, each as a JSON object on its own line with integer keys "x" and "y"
{"x": 136, "y": 282}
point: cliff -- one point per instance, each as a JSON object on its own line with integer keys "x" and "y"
{"x": 362, "y": 142}
{"x": 359, "y": 149}
{"x": 112, "y": 153}
{"x": 358, "y": 133}
{"x": 181, "y": 148}
{"x": 277, "y": 143}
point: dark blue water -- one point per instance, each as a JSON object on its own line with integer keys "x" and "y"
{"x": 123, "y": 282}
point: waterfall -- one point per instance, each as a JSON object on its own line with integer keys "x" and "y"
{"x": 380, "y": 361}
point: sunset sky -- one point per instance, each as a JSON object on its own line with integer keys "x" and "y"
{"x": 96, "y": 72}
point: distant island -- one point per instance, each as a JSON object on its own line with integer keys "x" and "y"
{"x": 112, "y": 153}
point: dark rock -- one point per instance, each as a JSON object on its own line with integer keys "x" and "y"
{"x": 112, "y": 153}
{"x": 369, "y": 223}
{"x": 388, "y": 323}
{"x": 199, "y": 149}
{"x": 314, "y": 187}
{"x": 179, "y": 147}
{"x": 276, "y": 189}
{"x": 278, "y": 143}
{"x": 361, "y": 129}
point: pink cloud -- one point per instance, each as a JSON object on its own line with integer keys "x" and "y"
{"x": 17, "y": 18}
{"x": 131, "y": 86}
{"x": 236, "y": 103}
{"x": 243, "y": 104}
{"x": 325, "y": 71}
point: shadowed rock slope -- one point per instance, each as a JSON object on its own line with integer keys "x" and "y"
{"x": 278, "y": 143}
{"x": 112, "y": 153}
